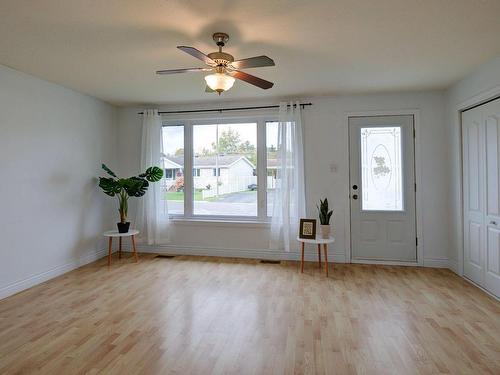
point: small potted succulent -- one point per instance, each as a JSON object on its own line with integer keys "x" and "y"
{"x": 324, "y": 217}
{"x": 124, "y": 188}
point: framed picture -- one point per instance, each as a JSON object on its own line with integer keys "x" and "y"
{"x": 307, "y": 229}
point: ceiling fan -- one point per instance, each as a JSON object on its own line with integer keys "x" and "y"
{"x": 224, "y": 68}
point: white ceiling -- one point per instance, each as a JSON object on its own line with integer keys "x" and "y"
{"x": 111, "y": 49}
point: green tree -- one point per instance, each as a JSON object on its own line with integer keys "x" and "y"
{"x": 229, "y": 142}
{"x": 246, "y": 148}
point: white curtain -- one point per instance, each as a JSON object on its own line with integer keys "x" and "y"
{"x": 289, "y": 196}
{"x": 152, "y": 211}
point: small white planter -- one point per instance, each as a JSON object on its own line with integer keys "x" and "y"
{"x": 325, "y": 231}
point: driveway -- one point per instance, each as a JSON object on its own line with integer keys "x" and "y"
{"x": 239, "y": 197}
{"x": 243, "y": 203}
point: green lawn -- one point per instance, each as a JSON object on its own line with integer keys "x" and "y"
{"x": 179, "y": 196}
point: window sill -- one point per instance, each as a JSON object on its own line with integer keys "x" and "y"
{"x": 221, "y": 223}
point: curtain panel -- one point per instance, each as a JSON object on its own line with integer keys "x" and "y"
{"x": 152, "y": 211}
{"x": 289, "y": 195}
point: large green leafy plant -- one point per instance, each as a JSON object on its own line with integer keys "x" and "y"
{"x": 324, "y": 213}
{"x": 124, "y": 188}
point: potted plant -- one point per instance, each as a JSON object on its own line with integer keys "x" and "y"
{"x": 324, "y": 217}
{"x": 124, "y": 188}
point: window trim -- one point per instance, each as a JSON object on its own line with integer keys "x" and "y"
{"x": 260, "y": 119}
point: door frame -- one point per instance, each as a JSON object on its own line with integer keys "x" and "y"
{"x": 418, "y": 180}
{"x": 473, "y": 101}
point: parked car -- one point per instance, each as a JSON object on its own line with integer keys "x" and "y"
{"x": 252, "y": 187}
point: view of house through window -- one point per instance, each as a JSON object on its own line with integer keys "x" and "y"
{"x": 173, "y": 166}
{"x": 224, "y": 178}
{"x": 226, "y": 157}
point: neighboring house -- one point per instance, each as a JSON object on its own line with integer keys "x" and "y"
{"x": 172, "y": 168}
{"x": 227, "y": 173}
{"x": 272, "y": 171}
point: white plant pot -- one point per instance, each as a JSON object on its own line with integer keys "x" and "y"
{"x": 325, "y": 231}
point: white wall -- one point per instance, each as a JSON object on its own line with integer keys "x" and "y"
{"x": 52, "y": 142}
{"x": 480, "y": 85}
{"x": 326, "y": 145}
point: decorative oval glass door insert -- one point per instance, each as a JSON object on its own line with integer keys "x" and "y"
{"x": 381, "y": 171}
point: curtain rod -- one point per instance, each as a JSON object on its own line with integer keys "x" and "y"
{"x": 220, "y": 110}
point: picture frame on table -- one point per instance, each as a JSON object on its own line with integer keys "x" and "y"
{"x": 307, "y": 229}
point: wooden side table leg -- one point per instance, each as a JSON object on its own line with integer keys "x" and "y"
{"x": 110, "y": 245}
{"x": 135, "y": 251}
{"x": 319, "y": 255}
{"x": 302, "y": 259}
{"x": 120, "y": 248}
{"x": 326, "y": 258}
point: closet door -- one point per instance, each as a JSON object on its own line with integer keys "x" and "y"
{"x": 491, "y": 118}
{"x": 473, "y": 194}
{"x": 481, "y": 173}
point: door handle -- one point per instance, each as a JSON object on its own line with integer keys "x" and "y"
{"x": 355, "y": 196}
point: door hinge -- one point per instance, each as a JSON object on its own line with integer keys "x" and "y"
{"x": 415, "y": 186}
{"x": 414, "y": 133}
{"x": 416, "y": 241}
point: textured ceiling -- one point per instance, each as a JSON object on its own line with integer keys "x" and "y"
{"x": 111, "y": 49}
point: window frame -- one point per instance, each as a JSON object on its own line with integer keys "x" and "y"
{"x": 188, "y": 122}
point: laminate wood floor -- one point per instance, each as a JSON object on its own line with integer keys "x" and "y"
{"x": 200, "y": 315}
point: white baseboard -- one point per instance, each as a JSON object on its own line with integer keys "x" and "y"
{"x": 453, "y": 265}
{"x": 385, "y": 262}
{"x": 19, "y": 286}
{"x": 480, "y": 287}
{"x": 238, "y": 253}
{"x": 437, "y": 262}
{"x": 428, "y": 262}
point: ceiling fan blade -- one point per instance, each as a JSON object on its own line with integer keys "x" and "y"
{"x": 256, "y": 81}
{"x": 252, "y": 62}
{"x": 198, "y": 54}
{"x": 173, "y": 71}
{"x": 208, "y": 89}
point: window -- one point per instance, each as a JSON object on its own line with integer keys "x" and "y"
{"x": 382, "y": 174}
{"x": 171, "y": 173}
{"x": 230, "y": 151}
{"x": 173, "y": 164}
{"x": 227, "y": 158}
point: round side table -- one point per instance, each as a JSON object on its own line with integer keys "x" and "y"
{"x": 318, "y": 241}
{"x": 113, "y": 234}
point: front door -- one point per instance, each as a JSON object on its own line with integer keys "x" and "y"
{"x": 382, "y": 183}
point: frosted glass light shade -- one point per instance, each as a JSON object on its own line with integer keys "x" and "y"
{"x": 219, "y": 82}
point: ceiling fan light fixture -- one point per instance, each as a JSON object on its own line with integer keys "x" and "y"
{"x": 219, "y": 82}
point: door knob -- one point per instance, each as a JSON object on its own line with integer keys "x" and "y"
{"x": 355, "y": 196}
{"x": 493, "y": 222}
{"x": 355, "y": 187}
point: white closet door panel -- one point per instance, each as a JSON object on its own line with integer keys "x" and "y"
{"x": 473, "y": 141}
{"x": 473, "y": 175}
{"x": 493, "y": 260}
{"x": 491, "y": 117}
{"x": 481, "y": 194}
{"x": 492, "y": 149}
{"x": 492, "y": 276}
